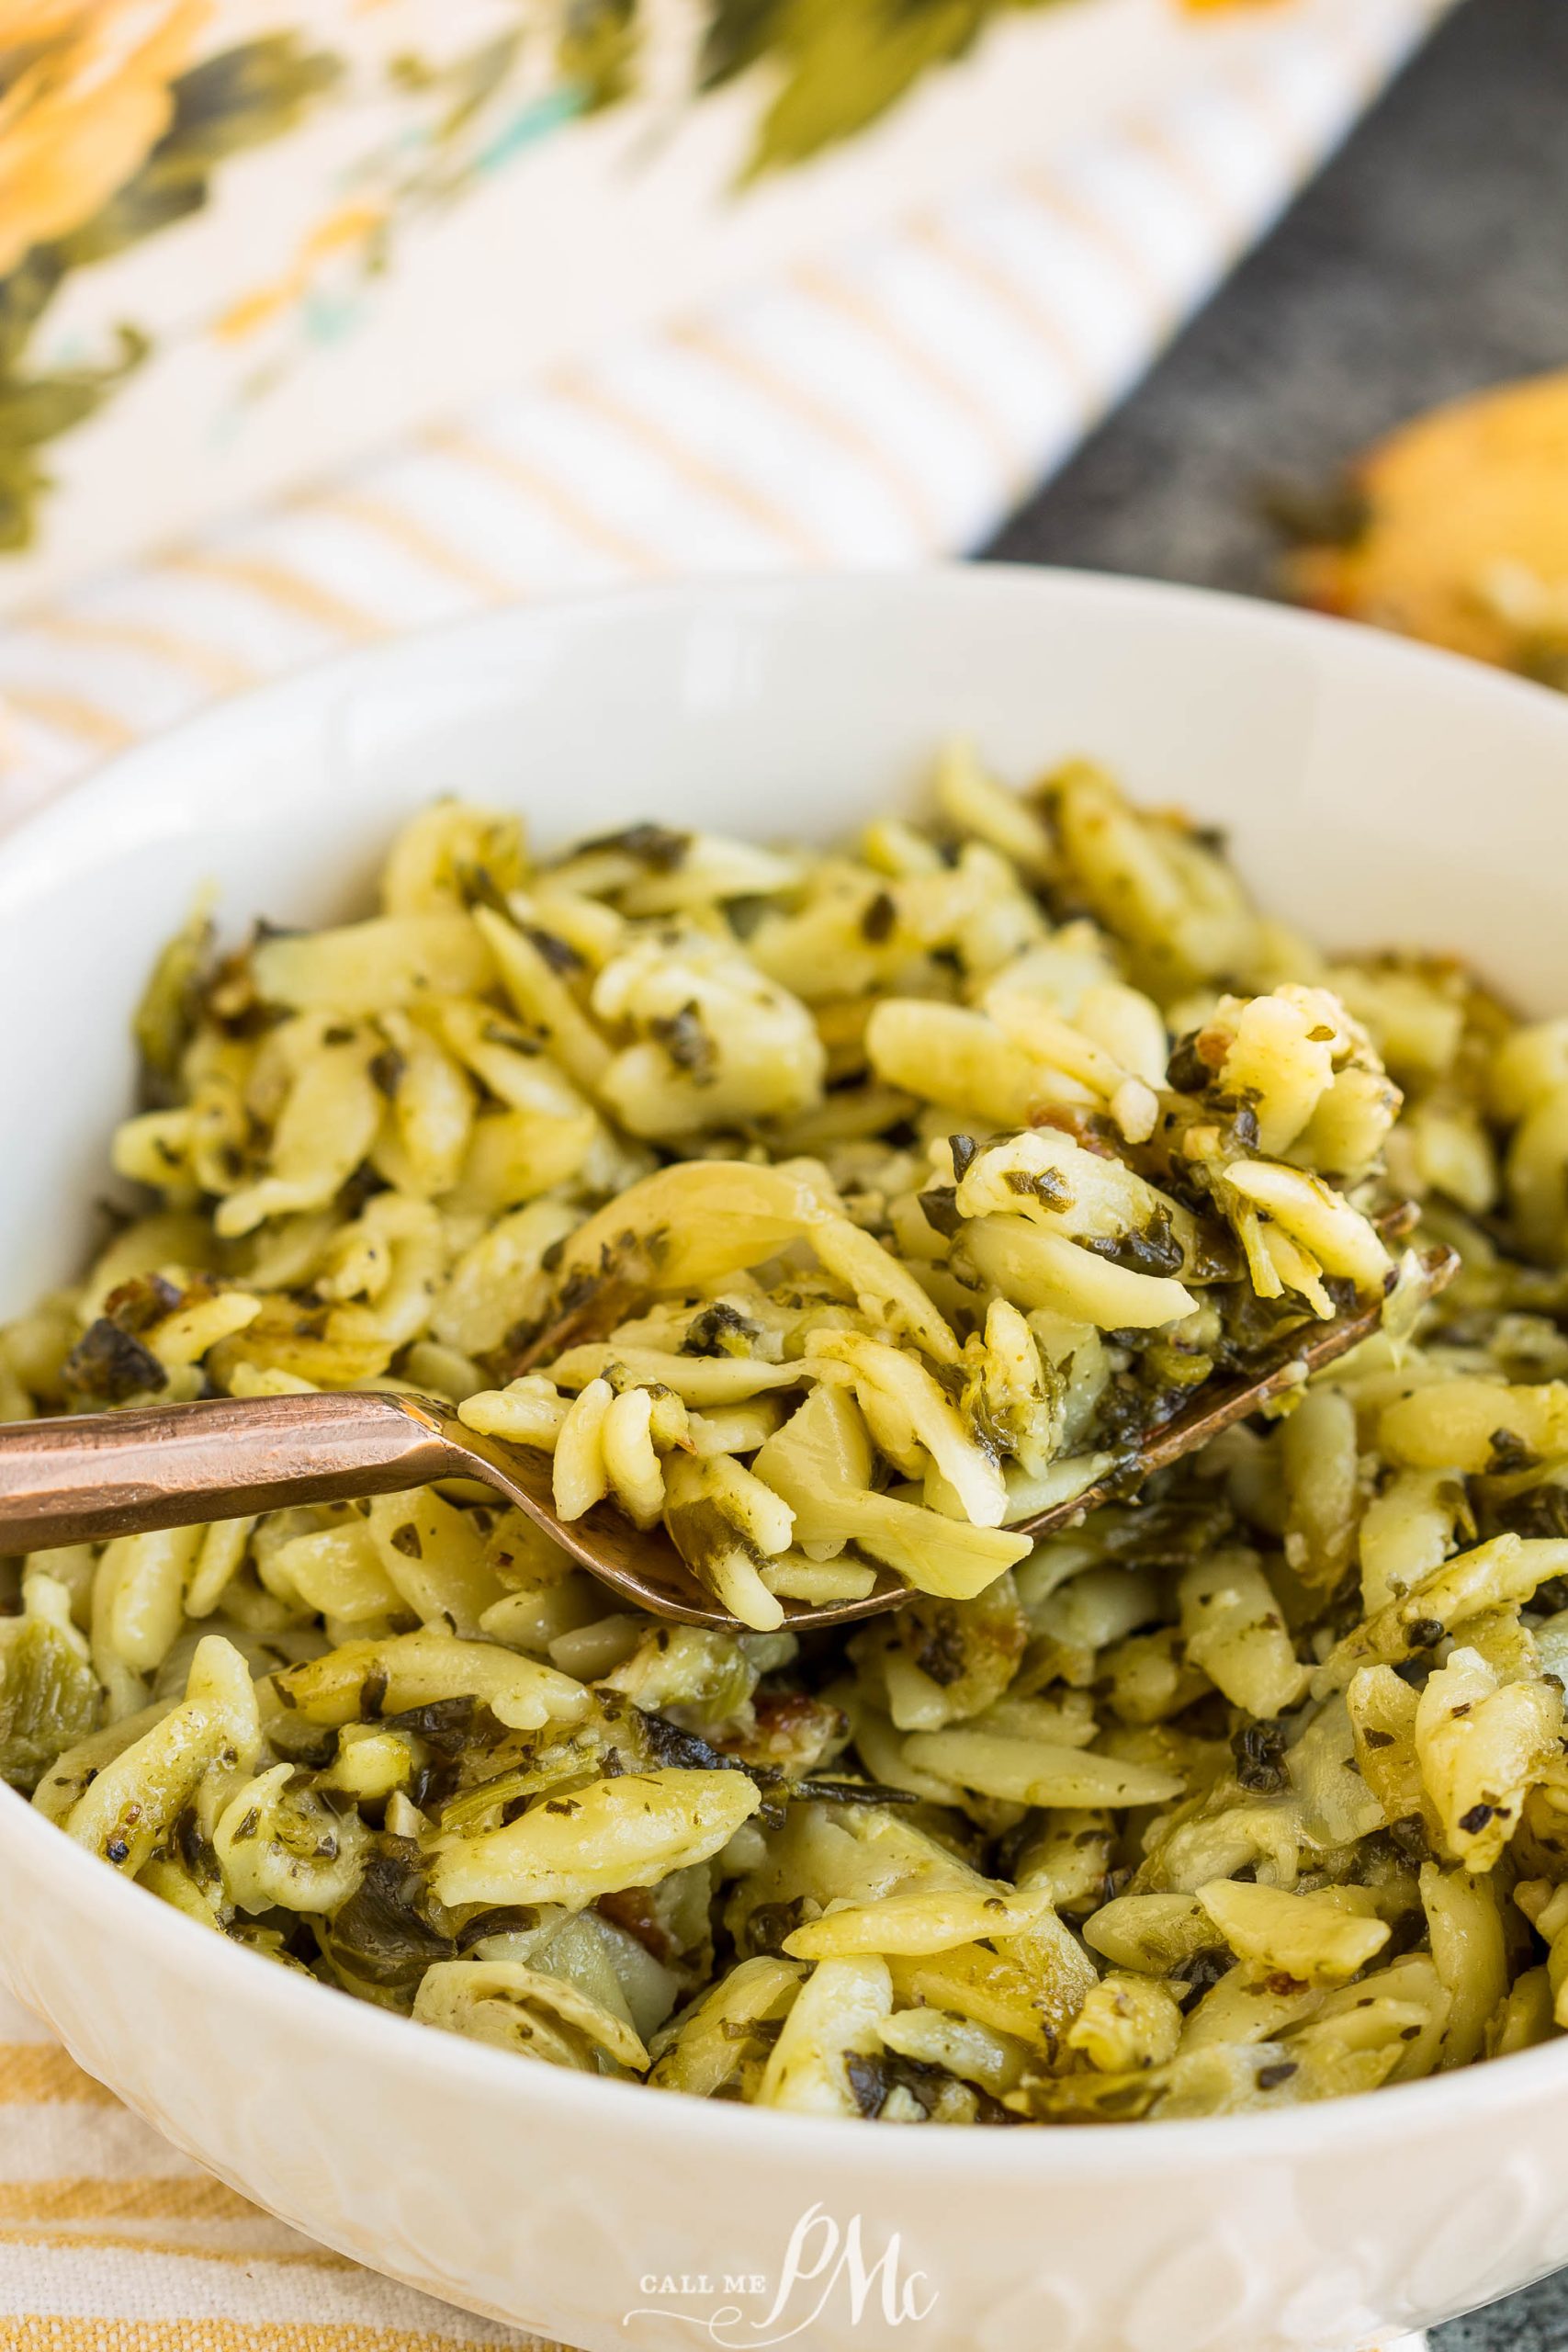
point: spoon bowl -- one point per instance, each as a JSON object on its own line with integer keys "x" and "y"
{"x": 82, "y": 1479}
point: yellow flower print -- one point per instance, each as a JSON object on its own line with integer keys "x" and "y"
{"x": 350, "y": 228}
{"x": 83, "y": 98}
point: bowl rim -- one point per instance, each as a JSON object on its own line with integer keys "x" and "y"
{"x": 320, "y": 685}
{"x": 702, "y": 2129}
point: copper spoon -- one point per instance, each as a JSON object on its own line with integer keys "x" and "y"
{"x": 80, "y": 1479}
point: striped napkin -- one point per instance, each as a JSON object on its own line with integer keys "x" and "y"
{"x": 111, "y": 2242}
{"x": 890, "y": 403}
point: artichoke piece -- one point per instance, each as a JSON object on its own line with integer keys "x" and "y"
{"x": 49, "y": 1693}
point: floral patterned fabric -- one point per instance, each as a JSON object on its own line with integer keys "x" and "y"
{"x": 208, "y": 204}
{"x": 885, "y": 404}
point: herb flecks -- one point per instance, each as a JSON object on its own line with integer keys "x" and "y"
{"x": 654, "y": 846}
{"x": 686, "y": 1040}
{"x": 109, "y": 1366}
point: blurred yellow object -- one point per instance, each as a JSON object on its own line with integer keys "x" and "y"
{"x": 1456, "y": 531}
{"x": 85, "y": 99}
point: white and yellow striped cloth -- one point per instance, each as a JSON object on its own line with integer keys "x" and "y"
{"x": 111, "y": 2242}
{"x": 886, "y": 404}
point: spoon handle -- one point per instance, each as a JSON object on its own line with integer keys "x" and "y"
{"x": 82, "y": 1479}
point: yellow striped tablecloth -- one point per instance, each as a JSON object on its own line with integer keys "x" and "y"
{"x": 112, "y": 2241}
{"x": 886, "y": 404}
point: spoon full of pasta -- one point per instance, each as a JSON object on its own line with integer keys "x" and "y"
{"x": 86, "y": 1478}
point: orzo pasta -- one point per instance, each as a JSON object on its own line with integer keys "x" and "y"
{"x": 837, "y": 1212}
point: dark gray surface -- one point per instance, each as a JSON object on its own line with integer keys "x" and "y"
{"x": 1535, "y": 2321}
{"x": 1432, "y": 257}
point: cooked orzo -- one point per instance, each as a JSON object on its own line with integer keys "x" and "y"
{"x": 838, "y": 1211}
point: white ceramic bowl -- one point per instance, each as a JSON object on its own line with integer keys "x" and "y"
{"x": 1375, "y": 792}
